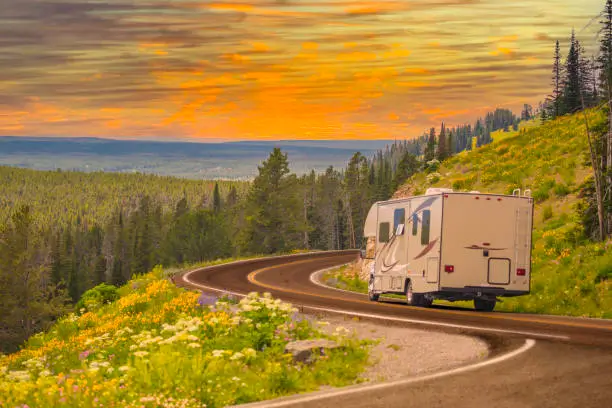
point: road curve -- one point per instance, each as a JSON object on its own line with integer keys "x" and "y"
{"x": 570, "y": 365}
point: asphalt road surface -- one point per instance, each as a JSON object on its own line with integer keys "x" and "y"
{"x": 570, "y": 364}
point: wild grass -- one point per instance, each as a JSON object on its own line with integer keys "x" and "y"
{"x": 159, "y": 345}
{"x": 570, "y": 275}
{"x": 345, "y": 277}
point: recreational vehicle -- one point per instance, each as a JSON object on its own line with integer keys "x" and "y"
{"x": 451, "y": 245}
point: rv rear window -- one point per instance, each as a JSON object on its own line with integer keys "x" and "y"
{"x": 399, "y": 217}
{"x": 415, "y": 224}
{"x": 383, "y": 232}
{"x": 426, "y": 227}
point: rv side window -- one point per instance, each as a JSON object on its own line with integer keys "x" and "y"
{"x": 415, "y": 224}
{"x": 426, "y": 226}
{"x": 399, "y": 217}
{"x": 383, "y": 232}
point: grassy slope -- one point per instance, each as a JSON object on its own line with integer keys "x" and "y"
{"x": 159, "y": 345}
{"x": 570, "y": 275}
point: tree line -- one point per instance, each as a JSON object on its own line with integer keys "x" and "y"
{"x": 581, "y": 82}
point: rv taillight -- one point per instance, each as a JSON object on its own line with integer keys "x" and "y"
{"x": 521, "y": 272}
{"x": 449, "y": 268}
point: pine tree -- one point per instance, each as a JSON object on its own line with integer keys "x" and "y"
{"x": 119, "y": 252}
{"x": 572, "y": 85}
{"x": 216, "y": 199}
{"x": 556, "y": 101}
{"x": 408, "y": 166}
{"x": 586, "y": 77}
{"x": 605, "y": 52}
{"x": 442, "y": 153}
{"x": 430, "y": 149}
{"x": 605, "y": 67}
{"x": 30, "y": 301}
{"x": 232, "y": 197}
{"x": 274, "y": 219}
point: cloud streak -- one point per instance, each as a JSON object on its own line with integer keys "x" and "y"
{"x": 271, "y": 69}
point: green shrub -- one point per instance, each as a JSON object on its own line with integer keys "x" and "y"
{"x": 96, "y": 297}
{"x": 547, "y": 213}
{"x": 561, "y": 190}
{"x": 604, "y": 273}
{"x": 540, "y": 195}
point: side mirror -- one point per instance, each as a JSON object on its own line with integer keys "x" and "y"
{"x": 362, "y": 253}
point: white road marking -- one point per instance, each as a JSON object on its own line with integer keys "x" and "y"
{"x": 359, "y": 389}
{"x": 438, "y": 324}
{"x": 185, "y": 277}
{"x": 314, "y": 279}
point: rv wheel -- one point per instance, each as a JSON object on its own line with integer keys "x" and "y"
{"x": 371, "y": 294}
{"x": 484, "y": 305}
{"x": 413, "y": 299}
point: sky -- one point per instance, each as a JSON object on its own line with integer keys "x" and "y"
{"x": 264, "y": 69}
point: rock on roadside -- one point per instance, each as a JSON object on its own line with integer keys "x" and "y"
{"x": 303, "y": 350}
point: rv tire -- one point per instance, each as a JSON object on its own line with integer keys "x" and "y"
{"x": 413, "y": 299}
{"x": 484, "y": 305}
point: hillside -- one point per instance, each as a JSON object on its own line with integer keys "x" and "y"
{"x": 155, "y": 345}
{"x": 570, "y": 274}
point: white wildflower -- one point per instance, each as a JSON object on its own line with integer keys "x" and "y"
{"x": 193, "y": 345}
{"x": 237, "y": 356}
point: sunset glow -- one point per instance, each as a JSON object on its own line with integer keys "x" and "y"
{"x": 285, "y": 69}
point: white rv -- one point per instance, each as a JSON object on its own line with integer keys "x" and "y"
{"x": 451, "y": 245}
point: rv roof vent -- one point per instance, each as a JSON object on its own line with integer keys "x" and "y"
{"x": 474, "y": 192}
{"x": 431, "y": 191}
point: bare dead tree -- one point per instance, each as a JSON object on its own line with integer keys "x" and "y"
{"x": 596, "y": 174}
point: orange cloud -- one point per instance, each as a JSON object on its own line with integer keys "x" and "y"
{"x": 237, "y": 58}
{"x": 396, "y": 52}
{"x": 376, "y": 7}
{"x": 231, "y": 7}
{"x": 310, "y": 46}
{"x": 260, "y": 47}
{"x": 356, "y": 56}
{"x": 417, "y": 71}
{"x": 502, "y": 51}
{"x": 413, "y": 84}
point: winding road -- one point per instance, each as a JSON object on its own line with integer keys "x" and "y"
{"x": 568, "y": 365}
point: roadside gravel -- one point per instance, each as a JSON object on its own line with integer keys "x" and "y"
{"x": 403, "y": 352}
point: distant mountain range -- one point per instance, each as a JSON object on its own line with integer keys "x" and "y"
{"x": 236, "y": 160}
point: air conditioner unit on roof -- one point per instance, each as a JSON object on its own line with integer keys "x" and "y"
{"x": 431, "y": 191}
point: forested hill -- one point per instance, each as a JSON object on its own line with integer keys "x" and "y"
{"x": 572, "y": 275}
{"x": 232, "y": 160}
